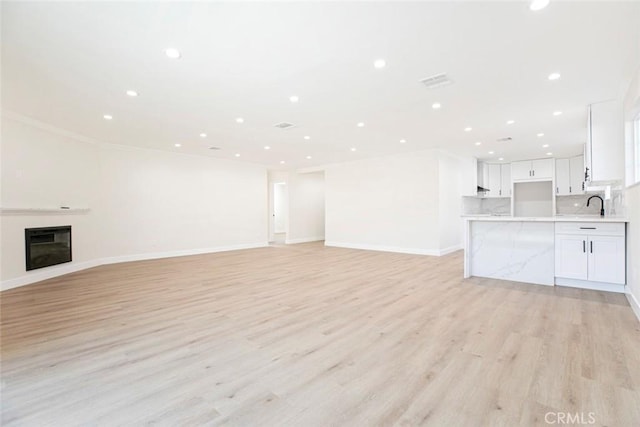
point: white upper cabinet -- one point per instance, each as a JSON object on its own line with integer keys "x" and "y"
{"x": 576, "y": 169}
{"x": 563, "y": 177}
{"x": 570, "y": 176}
{"x": 505, "y": 180}
{"x": 532, "y": 170}
{"x": 496, "y": 178}
{"x": 605, "y": 142}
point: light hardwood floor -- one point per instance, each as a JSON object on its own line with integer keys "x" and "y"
{"x": 305, "y": 335}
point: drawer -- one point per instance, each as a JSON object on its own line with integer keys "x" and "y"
{"x": 591, "y": 228}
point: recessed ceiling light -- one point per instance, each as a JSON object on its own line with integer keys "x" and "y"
{"x": 172, "y": 53}
{"x": 177, "y": 145}
{"x": 266, "y": 147}
{"x": 557, "y": 113}
{"x": 282, "y": 162}
{"x": 403, "y": 141}
{"x": 132, "y": 93}
{"x": 510, "y": 122}
{"x": 478, "y": 143}
{"x": 379, "y": 63}
{"x": 307, "y": 137}
{"x": 490, "y": 152}
{"x": 538, "y": 4}
{"x": 500, "y": 158}
{"x": 468, "y": 129}
{"x": 353, "y": 148}
{"x": 107, "y": 117}
{"x": 540, "y": 135}
{"x": 436, "y": 105}
{"x": 360, "y": 125}
{"x": 308, "y": 157}
{"x": 239, "y": 120}
{"x": 554, "y": 76}
{"x": 549, "y": 154}
{"x": 203, "y": 135}
{"x": 294, "y": 99}
{"x": 237, "y": 154}
{"x": 545, "y": 146}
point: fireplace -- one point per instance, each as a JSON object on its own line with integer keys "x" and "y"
{"x": 47, "y": 246}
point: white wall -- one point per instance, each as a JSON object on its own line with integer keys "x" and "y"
{"x": 452, "y": 175}
{"x": 632, "y": 107}
{"x": 144, "y": 203}
{"x": 306, "y": 207}
{"x": 43, "y": 169}
{"x": 388, "y": 203}
{"x": 155, "y": 202}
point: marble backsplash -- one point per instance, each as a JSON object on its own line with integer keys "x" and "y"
{"x": 486, "y": 206}
{"x": 565, "y": 205}
{"x": 577, "y": 205}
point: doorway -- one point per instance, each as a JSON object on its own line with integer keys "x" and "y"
{"x": 280, "y": 212}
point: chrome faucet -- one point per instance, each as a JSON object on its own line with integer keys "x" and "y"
{"x": 601, "y": 204}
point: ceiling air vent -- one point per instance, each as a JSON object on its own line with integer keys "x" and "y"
{"x": 284, "y": 125}
{"x": 439, "y": 80}
{"x": 505, "y": 139}
{"x": 214, "y": 148}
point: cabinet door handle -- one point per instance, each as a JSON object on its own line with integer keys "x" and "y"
{"x": 587, "y": 228}
{"x": 557, "y": 191}
{"x": 569, "y": 189}
{"x": 534, "y": 172}
{"x": 584, "y": 246}
{"x": 591, "y": 246}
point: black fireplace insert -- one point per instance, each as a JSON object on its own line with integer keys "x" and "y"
{"x": 47, "y": 246}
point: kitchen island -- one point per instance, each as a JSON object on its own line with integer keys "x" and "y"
{"x": 523, "y": 249}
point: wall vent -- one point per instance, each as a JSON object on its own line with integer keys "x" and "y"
{"x": 284, "y": 125}
{"x": 438, "y": 80}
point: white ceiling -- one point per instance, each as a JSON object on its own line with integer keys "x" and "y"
{"x": 69, "y": 63}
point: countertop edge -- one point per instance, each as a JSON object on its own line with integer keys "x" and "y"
{"x": 542, "y": 219}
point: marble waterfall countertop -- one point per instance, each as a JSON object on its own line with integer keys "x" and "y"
{"x": 557, "y": 218}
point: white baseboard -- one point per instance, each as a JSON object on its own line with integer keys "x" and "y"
{"x": 47, "y": 273}
{"x": 304, "y": 240}
{"x": 633, "y": 302}
{"x": 413, "y": 251}
{"x": 185, "y": 252}
{"x": 449, "y": 250}
{"x": 60, "y": 270}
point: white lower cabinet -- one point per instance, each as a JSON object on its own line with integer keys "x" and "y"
{"x": 591, "y": 252}
{"x": 606, "y": 259}
{"x": 571, "y": 256}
